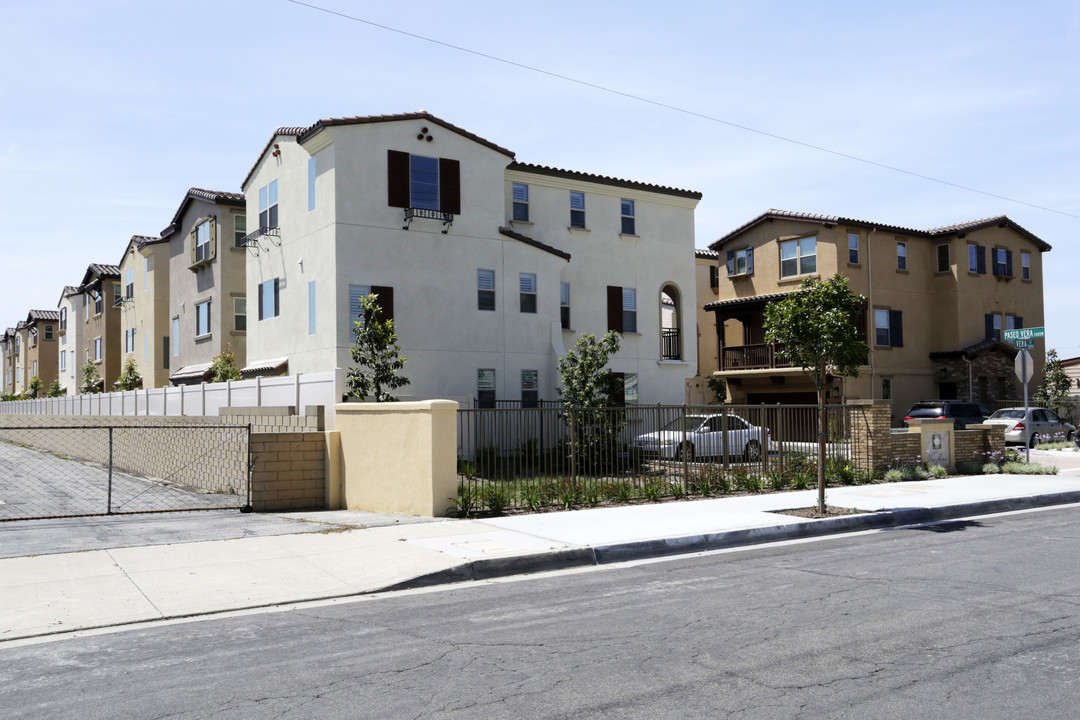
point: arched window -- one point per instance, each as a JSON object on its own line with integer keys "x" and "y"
{"x": 670, "y": 323}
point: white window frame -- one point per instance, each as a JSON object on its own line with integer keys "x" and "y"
{"x": 577, "y": 209}
{"x": 901, "y": 256}
{"x": 628, "y": 220}
{"x": 202, "y": 241}
{"x": 527, "y": 286}
{"x": 240, "y": 314}
{"x": 268, "y": 205}
{"x": 1025, "y": 265}
{"x": 801, "y": 257}
{"x": 519, "y": 193}
{"x": 203, "y": 317}
{"x": 853, "y": 252}
{"x": 485, "y": 289}
{"x": 629, "y": 307}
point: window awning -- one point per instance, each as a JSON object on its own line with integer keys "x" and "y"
{"x": 191, "y": 373}
{"x": 277, "y": 366}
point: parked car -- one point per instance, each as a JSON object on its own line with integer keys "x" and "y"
{"x": 702, "y": 436}
{"x": 963, "y": 413}
{"x": 1026, "y": 429}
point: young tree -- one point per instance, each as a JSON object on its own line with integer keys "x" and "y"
{"x": 719, "y": 390}
{"x": 55, "y": 390}
{"x": 130, "y": 379}
{"x": 588, "y": 391}
{"x": 376, "y": 354}
{"x": 817, "y": 327}
{"x": 223, "y": 367}
{"x": 1053, "y": 391}
{"x": 586, "y": 379}
{"x": 35, "y": 388}
{"x": 91, "y": 379}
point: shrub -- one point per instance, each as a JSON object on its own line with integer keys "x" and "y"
{"x": 497, "y": 499}
{"x": 937, "y": 471}
{"x": 991, "y": 468}
{"x": 532, "y": 496}
{"x": 969, "y": 467}
{"x": 467, "y": 501}
{"x": 653, "y": 490}
{"x": 1023, "y": 468}
{"x": 777, "y": 481}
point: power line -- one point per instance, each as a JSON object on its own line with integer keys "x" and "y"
{"x": 681, "y": 110}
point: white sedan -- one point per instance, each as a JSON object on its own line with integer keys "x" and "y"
{"x": 1037, "y": 425}
{"x": 699, "y": 436}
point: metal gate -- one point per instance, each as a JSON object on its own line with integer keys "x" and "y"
{"x": 69, "y": 471}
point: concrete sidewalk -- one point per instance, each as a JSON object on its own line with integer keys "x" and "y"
{"x": 307, "y": 556}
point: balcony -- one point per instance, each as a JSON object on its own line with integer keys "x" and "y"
{"x": 751, "y": 357}
{"x": 671, "y": 349}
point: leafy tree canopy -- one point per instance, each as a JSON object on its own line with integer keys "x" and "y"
{"x": 586, "y": 380}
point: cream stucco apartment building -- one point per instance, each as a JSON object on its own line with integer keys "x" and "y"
{"x": 70, "y": 343}
{"x": 938, "y": 301}
{"x": 490, "y": 268}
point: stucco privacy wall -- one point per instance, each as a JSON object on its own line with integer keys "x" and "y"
{"x": 399, "y": 457}
{"x": 287, "y": 452}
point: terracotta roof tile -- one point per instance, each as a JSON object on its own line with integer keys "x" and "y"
{"x": 602, "y": 179}
{"x": 218, "y": 197}
{"x": 831, "y": 220}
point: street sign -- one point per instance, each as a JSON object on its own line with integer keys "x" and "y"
{"x": 1020, "y": 344}
{"x": 1023, "y": 366}
{"x": 1024, "y": 333}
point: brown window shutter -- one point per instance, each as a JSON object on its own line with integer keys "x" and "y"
{"x": 194, "y": 235}
{"x": 385, "y": 301}
{"x": 450, "y": 186}
{"x": 397, "y": 178}
{"x": 614, "y": 308}
{"x": 213, "y": 238}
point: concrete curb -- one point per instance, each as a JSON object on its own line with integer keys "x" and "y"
{"x": 490, "y": 568}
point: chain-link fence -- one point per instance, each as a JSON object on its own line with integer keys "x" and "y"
{"x": 69, "y": 471}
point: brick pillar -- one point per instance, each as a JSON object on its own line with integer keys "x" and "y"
{"x": 871, "y": 434}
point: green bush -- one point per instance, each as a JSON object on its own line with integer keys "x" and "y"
{"x": 969, "y": 467}
{"x": 467, "y": 501}
{"x": 991, "y": 468}
{"x": 497, "y": 499}
{"x": 1023, "y": 468}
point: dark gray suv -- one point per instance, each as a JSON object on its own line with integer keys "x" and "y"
{"x": 963, "y": 413}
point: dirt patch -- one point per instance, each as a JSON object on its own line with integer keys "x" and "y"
{"x": 812, "y": 512}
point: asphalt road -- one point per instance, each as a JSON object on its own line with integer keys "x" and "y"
{"x": 967, "y": 619}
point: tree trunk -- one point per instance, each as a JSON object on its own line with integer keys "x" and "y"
{"x": 822, "y": 428}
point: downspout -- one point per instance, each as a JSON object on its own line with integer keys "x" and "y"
{"x": 971, "y": 390}
{"x": 870, "y": 313}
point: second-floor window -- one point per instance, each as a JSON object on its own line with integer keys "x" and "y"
{"x": 888, "y": 328}
{"x": 485, "y": 289}
{"x": 428, "y": 183}
{"x": 853, "y": 249}
{"x": 48, "y": 332}
{"x": 521, "y": 202}
{"x": 239, "y": 229}
{"x": 977, "y": 259}
{"x": 63, "y": 318}
{"x": 577, "y": 209}
{"x": 129, "y": 283}
{"x": 740, "y": 262}
{"x": 798, "y": 256}
{"x": 944, "y": 262}
{"x": 202, "y": 318}
{"x": 1025, "y": 265}
{"x": 628, "y": 225}
{"x": 901, "y": 256}
{"x": 1003, "y": 262}
{"x": 622, "y": 309}
{"x": 269, "y": 296}
{"x": 268, "y": 205}
{"x": 97, "y": 303}
{"x": 202, "y": 240}
{"x": 564, "y": 305}
{"x": 240, "y": 314}
{"x": 527, "y": 282}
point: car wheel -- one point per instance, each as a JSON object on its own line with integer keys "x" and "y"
{"x": 1070, "y": 436}
{"x": 1033, "y": 440}
{"x": 685, "y": 452}
{"x": 752, "y": 452}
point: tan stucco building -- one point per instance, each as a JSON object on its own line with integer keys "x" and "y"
{"x": 144, "y": 309}
{"x": 937, "y": 301}
{"x": 41, "y": 335}
{"x": 100, "y": 298}
{"x": 69, "y": 345}
{"x": 206, "y": 267}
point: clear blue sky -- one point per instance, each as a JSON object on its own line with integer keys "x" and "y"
{"x": 113, "y": 109}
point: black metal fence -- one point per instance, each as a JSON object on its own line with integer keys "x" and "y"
{"x": 530, "y": 458}
{"x": 65, "y": 471}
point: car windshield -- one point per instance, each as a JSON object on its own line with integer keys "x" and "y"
{"x": 688, "y": 423}
{"x": 1008, "y": 415}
